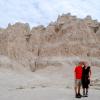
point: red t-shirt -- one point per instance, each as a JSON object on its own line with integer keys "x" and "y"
{"x": 78, "y": 72}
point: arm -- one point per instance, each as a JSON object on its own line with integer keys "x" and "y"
{"x": 90, "y": 73}
{"x": 75, "y": 73}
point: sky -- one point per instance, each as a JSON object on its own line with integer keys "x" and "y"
{"x": 42, "y": 12}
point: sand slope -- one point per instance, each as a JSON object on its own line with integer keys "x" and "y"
{"x": 51, "y": 83}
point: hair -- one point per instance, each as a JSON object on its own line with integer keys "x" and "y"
{"x": 81, "y": 62}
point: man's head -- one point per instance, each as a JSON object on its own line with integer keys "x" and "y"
{"x": 81, "y": 63}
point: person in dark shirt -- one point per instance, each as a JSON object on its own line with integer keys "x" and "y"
{"x": 86, "y": 73}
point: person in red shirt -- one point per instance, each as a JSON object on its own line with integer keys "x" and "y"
{"x": 78, "y": 77}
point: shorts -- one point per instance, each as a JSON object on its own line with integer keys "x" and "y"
{"x": 85, "y": 83}
{"x": 78, "y": 82}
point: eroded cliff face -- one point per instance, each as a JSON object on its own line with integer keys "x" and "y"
{"x": 68, "y": 36}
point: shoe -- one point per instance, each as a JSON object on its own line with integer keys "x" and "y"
{"x": 86, "y": 95}
{"x": 78, "y": 96}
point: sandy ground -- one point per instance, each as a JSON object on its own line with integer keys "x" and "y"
{"x": 51, "y": 83}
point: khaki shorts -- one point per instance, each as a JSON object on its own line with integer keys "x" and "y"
{"x": 78, "y": 82}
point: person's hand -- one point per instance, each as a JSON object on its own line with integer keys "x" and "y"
{"x": 88, "y": 78}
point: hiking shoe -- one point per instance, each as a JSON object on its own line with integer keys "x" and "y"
{"x": 78, "y": 96}
{"x": 86, "y": 95}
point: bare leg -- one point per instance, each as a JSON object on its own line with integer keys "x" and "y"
{"x": 87, "y": 91}
{"x": 83, "y": 91}
{"x": 75, "y": 90}
{"x": 79, "y": 87}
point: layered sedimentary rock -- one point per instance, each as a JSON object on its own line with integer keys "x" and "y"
{"x": 68, "y": 36}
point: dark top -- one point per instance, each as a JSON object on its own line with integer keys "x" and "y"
{"x": 85, "y": 77}
{"x": 85, "y": 73}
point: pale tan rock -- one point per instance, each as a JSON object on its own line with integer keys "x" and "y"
{"x": 68, "y": 36}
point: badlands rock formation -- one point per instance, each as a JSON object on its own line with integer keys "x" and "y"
{"x": 68, "y": 36}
